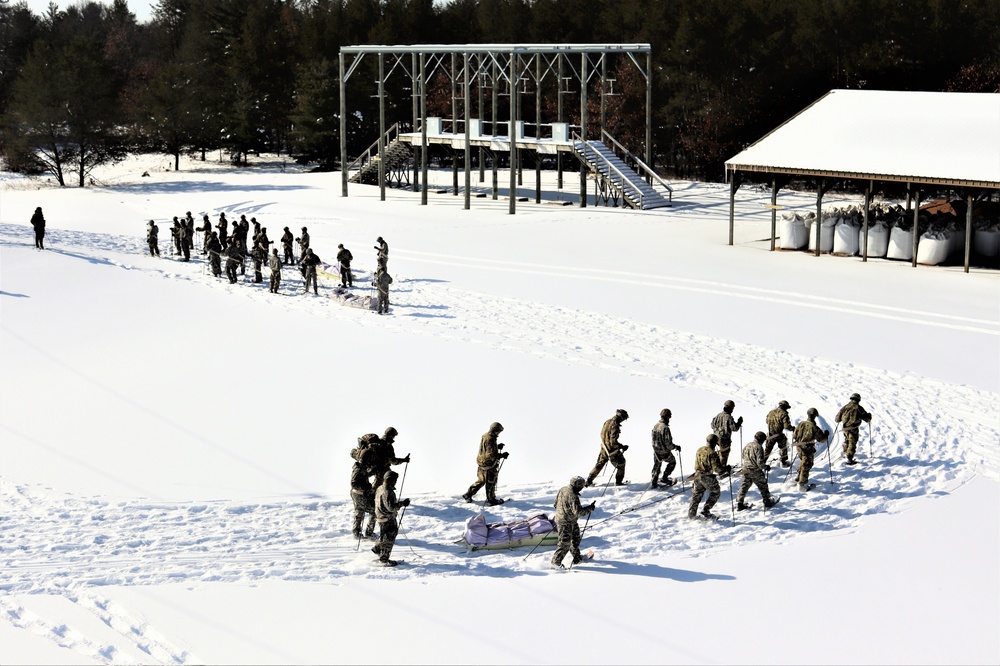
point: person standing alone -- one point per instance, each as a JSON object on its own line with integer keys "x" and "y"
{"x": 38, "y": 222}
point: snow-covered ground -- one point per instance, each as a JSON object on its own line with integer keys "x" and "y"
{"x": 174, "y": 449}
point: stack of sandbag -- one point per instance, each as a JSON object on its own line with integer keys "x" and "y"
{"x": 792, "y": 231}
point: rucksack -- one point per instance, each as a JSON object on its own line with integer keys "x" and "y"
{"x": 365, "y": 444}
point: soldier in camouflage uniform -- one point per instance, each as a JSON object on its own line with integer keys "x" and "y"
{"x": 663, "y": 450}
{"x": 274, "y": 263}
{"x": 777, "y": 423}
{"x": 851, "y": 415}
{"x": 707, "y": 465}
{"x": 611, "y": 449}
{"x": 286, "y": 246}
{"x": 385, "y": 456}
{"x": 152, "y": 238}
{"x": 382, "y": 282}
{"x": 755, "y": 469}
{"x": 724, "y": 426}
{"x": 806, "y": 434}
{"x": 363, "y": 496}
{"x": 386, "y": 507}
{"x": 489, "y": 465}
{"x": 206, "y": 229}
{"x": 567, "y": 520}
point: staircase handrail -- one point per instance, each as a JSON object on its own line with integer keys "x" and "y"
{"x": 610, "y": 166}
{"x": 390, "y": 135}
{"x": 645, "y": 167}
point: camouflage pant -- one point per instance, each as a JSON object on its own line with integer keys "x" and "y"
{"x": 311, "y": 278}
{"x": 671, "y": 462}
{"x": 275, "y": 281}
{"x": 363, "y": 504}
{"x": 702, "y": 483}
{"x": 757, "y": 478}
{"x": 486, "y": 476}
{"x": 388, "y": 531}
{"x": 617, "y": 461}
{"x": 287, "y": 247}
{"x": 154, "y": 249}
{"x": 782, "y": 443}
{"x": 383, "y": 301}
{"x": 216, "y": 262}
{"x": 725, "y": 446}
{"x": 851, "y": 442}
{"x": 231, "y": 270}
{"x": 346, "y": 277}
{"x": 806, "y": 453}
{"x": 569, "y": 541}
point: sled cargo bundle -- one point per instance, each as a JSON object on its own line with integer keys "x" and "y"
{"x": 533, "y": 531}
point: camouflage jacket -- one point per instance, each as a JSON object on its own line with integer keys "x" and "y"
{"x": 777, "y": 421}
{"x": 152, "y": 234}
{"x": 807, "y": 432}
{"x": 286, "y": 239}
{"x": 568, "y": 509}
{"x": 852, "y": 414}
{"x": 663, "y": 441}
{"x": 360, "y": 485}
{"x": 707, "y": 461}
{"x": 489, "y": 453}
{"x": 383, "y": 281}
{"x": 275, "y": 263}
{"x": 609, "y": 436}
{"x": 385, "y": 455}
{"x": 386, "y": 505}
{"x": 724, "y": 425}
{"x": 753, "y": 458}
{"x": 344, "y": 258}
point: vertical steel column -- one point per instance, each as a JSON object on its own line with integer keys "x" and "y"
{"x": 583, "y": 127}
{"x": 916, "y": 225}
{"x": 381, "y": 125}
{"x": 493, "y": 128}
{"x": 968, "y": 229}
{"x": 414, "y": 102}
{"x": 513, "y": 119}
{"x": 774, "y": 211}
{"x": 343, "y": 131}
{"x": 819, "y": 215}
{"x": 733, "y": 186}
{"x": 423, "y": 131}
{"x": 559, "y": 115}
{"x": 867, "y": 217}
{"x": 468, "y": 148}
{"x": 454, "y": 122}
{"x": 538, "y": 127}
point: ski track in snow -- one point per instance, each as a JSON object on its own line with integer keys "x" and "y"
{"x": 930, "y": 437}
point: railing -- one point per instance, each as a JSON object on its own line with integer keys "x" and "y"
{"x": 600, "y": 160}
{"x": 369, "y": 155}
{"x": 645, "y": 167}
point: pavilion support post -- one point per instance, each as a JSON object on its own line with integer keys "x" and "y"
{"x": 513, "y": 144}
{"x": 734, "y": 184}
{"x": 968, "y": 229}
{"x": 454, "y": 122}
{"x": 423, "y": 131}
{"x": 468, "y": 148}
{"x": 584, "y": 76}
{"x": 868, "y": 208}
{"x": 538, "y": 127}
{"x": 819, "y": 215}
{"x": 916, "y": 225}
{"x": 343, "y": 130}
{"x": 415, "y": 103}
{"x": 493, "y": 131}
{"x": 774, "y": 211}
{"x": 381, "y": 126}
{"x": 559, "y": 117}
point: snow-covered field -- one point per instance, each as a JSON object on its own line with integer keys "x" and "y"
{"x": 174, "y": 450}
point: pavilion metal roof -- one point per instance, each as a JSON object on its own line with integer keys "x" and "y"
{"x": 919, "y": 137}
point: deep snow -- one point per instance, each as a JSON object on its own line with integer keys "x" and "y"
{"x": 175, "y": 448}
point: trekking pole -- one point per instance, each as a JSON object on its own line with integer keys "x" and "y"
{"x": 606, "y": 484}
{"x": 795, "y": 455}
{"x": 829, "y": 463}
{"x": 680, "y": 463}
{"x": 741, "y": 443}
{"x": 732, "y": 505}
{"x": 403, "y": 481}
{"x": 539, "y": 544}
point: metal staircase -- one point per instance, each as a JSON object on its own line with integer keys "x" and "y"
{"x": 398, "y": 159}
{"x": 621, "y": 177}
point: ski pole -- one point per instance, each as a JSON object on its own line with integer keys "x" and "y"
{"x": 829, "y": 464}
{"x": 540, "y": 543}
{"x": 795, "y": 455}
{"x": 870, "y": 454}
{"x": 680, "y": 463}
{"x": 606, "y": 484}
{"x": 741, "y": 443}
{"x": 403, "y": 481}
{"x": 732, "y": 505}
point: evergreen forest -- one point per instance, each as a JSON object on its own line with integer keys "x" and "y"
{"x": 89, "y": 84}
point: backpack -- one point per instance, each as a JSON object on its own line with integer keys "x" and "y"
{"x": 365, "y": 447}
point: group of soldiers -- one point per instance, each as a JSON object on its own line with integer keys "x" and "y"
{"x": 710, "y": 464}
{"x": 373, "y": 491}
{"x": 236, "y": 247}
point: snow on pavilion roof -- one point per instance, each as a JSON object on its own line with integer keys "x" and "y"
{"x": 920, "y": 137}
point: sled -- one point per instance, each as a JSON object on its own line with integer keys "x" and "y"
{"x": 534, "y": 531}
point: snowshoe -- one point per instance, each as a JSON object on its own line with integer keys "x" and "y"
{"x": 558, "y": 566}
{"x": 851, "y": 461}
{"x": 743, "y": 507}
{"x": 375, "y": 550}
{"x": 467, "y": 497}
{"x": 388, "y": 563}
{"x": 708, "y": 515}
{"x": 668, "y": 482}
{"x": 770, "y": 503}
{"x": 496, "y": 501}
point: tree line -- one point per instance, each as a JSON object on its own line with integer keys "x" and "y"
{"x": 90, "y": 84}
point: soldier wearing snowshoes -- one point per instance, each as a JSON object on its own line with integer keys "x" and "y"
{"x": 567, "y": 520}
{"x": 223, "y": 228}
{"x": 344, "y": 259}
{"x": 724, "y": 426}
{"x": 806, "y": 434}
{"x": 274, "y": 263}
{"x": 850, "y": 416}
{"x": 286, "y": 246}
{"x": 38, "y": 223}
{"x": 233, "y": 259}
{"x": 382, "y": 282}
{"x": 381, "y": 254}
{"x": 206, "y": 229}
{"x": 489, "y": 460}
{"x": 663, "y": 450}
{"x": 363, "y": 495}
{"x": 214, "y": 247}
{"x": 386, "y": 507}
{"x": 309, "y": 263}
{"x": 303, "y": 240}
{"x": 152, "y": 239}
{"x": 777, "y": 423}
{"x": 385, "y": 456}
{"x": 755, "y": 469}
{"x": 611, "y": 449}
{"x": 707, "y": 467}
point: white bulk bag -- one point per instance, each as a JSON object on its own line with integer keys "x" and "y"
{"x": 845, "y": 240}
{"x": 933, "y": 248}
{"x": 878, "y": 240}
{"x": 792, "y": 231}
{"x": 825, "y": 237}
{"x": 987, "y": 242}
{"x": 900, "y": 244}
